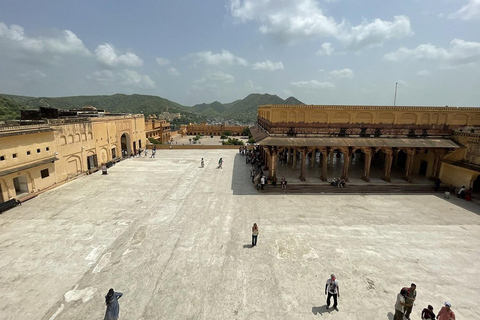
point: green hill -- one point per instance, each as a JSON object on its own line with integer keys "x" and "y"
{"x": 244, "y": 110}
{"x": 9, "y": 109}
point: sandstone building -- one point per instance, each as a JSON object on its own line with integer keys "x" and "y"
{"x": 434, "y": 142}
{"x": 62, "y": 145}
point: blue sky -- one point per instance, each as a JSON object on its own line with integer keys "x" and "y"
{"x": 192, "y": 51}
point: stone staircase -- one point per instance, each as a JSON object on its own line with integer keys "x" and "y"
{"x": 364, "y": 188}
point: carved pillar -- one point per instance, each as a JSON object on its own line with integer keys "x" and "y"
{"x": 346, "y": 162}
{"x": 368, "y": 162}
{"x": 330, "y": 160}
{"x": 303, "y": 153}
{"x": 271, "y": 153}
{"x": 387, "y": 168}
{"x": 409, "y": 164}
{"x": 312, "y": 158}
{"x": 294, "y": 165}
{"x": 437, "y": 163}
{"x": 324, "y": 165}
{"x": 290, "y": 155}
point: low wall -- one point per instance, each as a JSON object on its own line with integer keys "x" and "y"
{"x": 190, "y": 146}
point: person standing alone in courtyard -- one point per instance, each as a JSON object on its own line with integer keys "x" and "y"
{"x": 333, "y": 290}
{"x": 220, "y": 163}
{"x": 254, "y": 235}
{"x": 113, "y": 308}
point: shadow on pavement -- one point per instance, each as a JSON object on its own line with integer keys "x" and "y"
{"x": 321, "y": 310}
{"x": 241, "y": 180}
{"x": 246, "y": 246}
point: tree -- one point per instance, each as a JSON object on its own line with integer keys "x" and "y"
{"x": 246, "y": 132}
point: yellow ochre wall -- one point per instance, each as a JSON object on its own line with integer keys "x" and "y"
{"x": 35, "y": 142}
{"x": 370, "y": 114}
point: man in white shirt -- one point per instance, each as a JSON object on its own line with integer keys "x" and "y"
{"x": 399, "y": 304}
{"x": 333, "y": 290}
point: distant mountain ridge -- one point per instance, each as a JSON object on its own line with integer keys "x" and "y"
{"x": 244, "y": 110}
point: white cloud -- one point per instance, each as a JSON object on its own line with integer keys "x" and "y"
{"x": 66, "y": 43}
{"x": 460, "y": 52}
{"x": 325, "y": 49}
{"x": 343, "y": 73}
{"x": 470, "y": 11}
{"x": 102, "y": 76}
{"x": 375, "y": 33}
{"x": 268, "y": 66}
{"x": 290, "y": 21}
{"x": 249, "y": 85}
{"x": 423, "y": 73}
{"x": 216, "y": 59}
{"x": 163, "y": 61}
{"x": 107, "y": 55}
{"x": 34, "y": 75}
{"x": 173, "y": 72}
{"x": 312, "y": 85}
{"x": 132, "y": 78}
{"x": 217, "y": 76}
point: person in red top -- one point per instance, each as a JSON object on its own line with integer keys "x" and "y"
{"x": 446, "y": 313}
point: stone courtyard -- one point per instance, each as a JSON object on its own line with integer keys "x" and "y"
{"x": 175, "y": 239}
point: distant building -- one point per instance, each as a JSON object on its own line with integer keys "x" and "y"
{"x": 434, "y": 142}
{"x": 158, "y": 129}
{"x": 51, "y": 146}
{"x": 213, "y": 129}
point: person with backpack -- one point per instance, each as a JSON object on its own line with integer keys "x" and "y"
{"x": 333, "y": 290}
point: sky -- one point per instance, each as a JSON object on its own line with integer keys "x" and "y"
{"x": 198, "y": 51}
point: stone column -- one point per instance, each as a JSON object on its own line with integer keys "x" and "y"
{"x": 290, "y": 155}
{"x": 346, "y": 162}
{"x": 312, "y": 158}
{"x": 368, "y": 162}
{"x": 294, "y": 164}
{"x": 273, "y": 163}
{"x": 387, "y": 168}
{"x": 324, "y": 165}
{"x": 409, "y": 165}
{"x": 303, "y": 154}
{"x": 330, "y": 160}
{"x": 437, "y": 163}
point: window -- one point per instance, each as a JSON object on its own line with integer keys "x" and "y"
{"x": 2, "y": 158}
{"x": 44, "y": 173}
{"x": 28, "y": 153}
{"x": 38, "y": 150}
{"x": 14, "y": 155}
{"x": 47, "y": 148}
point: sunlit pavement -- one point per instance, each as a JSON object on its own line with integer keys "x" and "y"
{"x": 175, "y": 239}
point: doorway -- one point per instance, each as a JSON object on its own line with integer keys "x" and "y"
{"x": 92, "y": 162}
{"x": 21, "y": 185}
{"x": 1, "y": 194}
{"x": 423, "y": 168}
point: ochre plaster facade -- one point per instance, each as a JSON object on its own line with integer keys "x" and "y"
{"x": 433, "y": 140}
{"x": 66, "y": 147}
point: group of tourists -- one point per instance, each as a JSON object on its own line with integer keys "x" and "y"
{"x": 338, "y": 183}
{"x": 405, "y": 302}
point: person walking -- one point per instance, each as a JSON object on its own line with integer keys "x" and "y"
{"x": 427, "y": 313}
{"x": 400, "y": 304}
{"x": 262, "y": 182}
{"x": 254, "y": 235}
{"x": 446, "y": 312}
{"x": 202, "y": 164}
{"x": 333, "y": 290}
{"x": 220, "y": 163}
{"x": 410, "y": 299}
{"x": 113, "y": 308}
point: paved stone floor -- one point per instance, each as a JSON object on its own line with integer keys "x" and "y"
{"x": 175, "y": 239}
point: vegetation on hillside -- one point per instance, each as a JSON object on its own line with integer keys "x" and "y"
{"x": 244, "y": 110}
